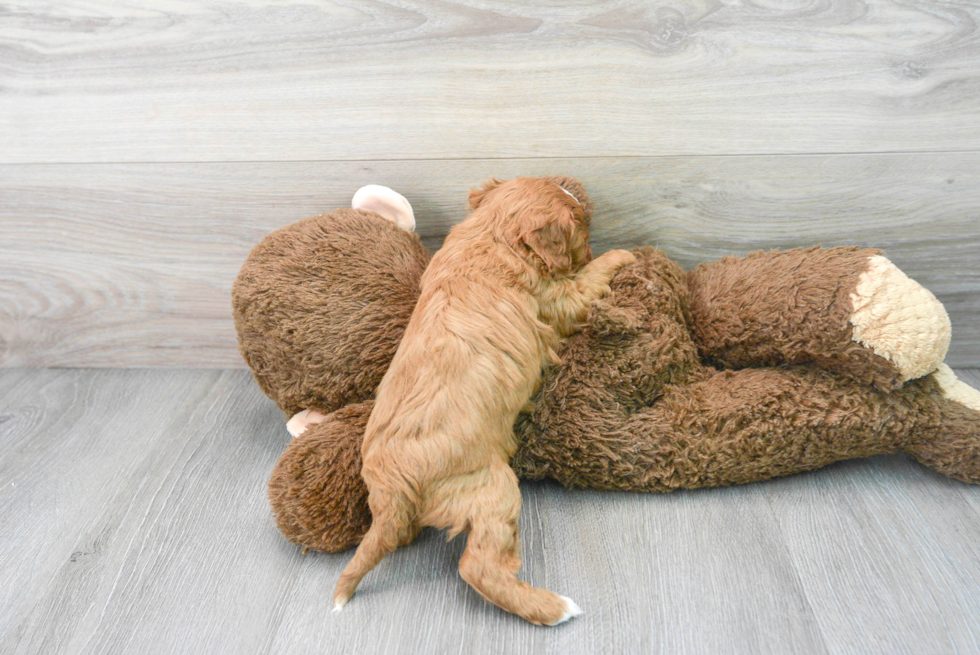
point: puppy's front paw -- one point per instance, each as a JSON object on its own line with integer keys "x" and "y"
{"x": 610, "y": 264}
{"x": 617, "y": 259}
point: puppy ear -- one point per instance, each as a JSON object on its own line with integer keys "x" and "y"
{"x": 478, "y": 195}
{"x": 551, "y": 240}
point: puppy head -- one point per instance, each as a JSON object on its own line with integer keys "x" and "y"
{"x": 569, "y": 184}
{"x": 574, "y": 187}
{"x": 540, "y": 219}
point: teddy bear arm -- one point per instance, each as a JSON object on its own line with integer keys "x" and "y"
{"x": 846, "y": 309}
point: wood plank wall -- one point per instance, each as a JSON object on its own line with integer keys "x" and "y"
{"x": 145, "y": 147}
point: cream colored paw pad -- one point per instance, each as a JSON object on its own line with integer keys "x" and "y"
{"x": 955, "y": 389}
{"x": 899, "y": 319}
{"x": 386, "y": 202}
{"x": 301, "y": 420}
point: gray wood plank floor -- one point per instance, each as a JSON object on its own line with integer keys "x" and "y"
{"x": 135, "y": 521}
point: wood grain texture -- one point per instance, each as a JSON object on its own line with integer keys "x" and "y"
{"x": 918, "y": 576}
{"x": 132, "y": 264}
{"x": 116, "y": 495}
{"x": 235, "y": 80}
{"x": 135, "y": 520}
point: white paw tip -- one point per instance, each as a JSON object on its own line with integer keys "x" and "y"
{"x": 571, "y": 610}
{"x": 386, "y": 202}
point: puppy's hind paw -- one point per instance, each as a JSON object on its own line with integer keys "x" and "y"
{"x": 571, "y": 610}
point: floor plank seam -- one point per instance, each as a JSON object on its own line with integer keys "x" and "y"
{"x": 380, "y": 160}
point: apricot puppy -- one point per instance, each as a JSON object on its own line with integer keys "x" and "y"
{"x": 508, "y": 283}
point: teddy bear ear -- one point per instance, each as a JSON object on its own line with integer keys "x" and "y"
{"x": 386, "y": 202}
{"x": 478, "y": 195}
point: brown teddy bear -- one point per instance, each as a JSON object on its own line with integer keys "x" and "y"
{"x": 740, "y": 370}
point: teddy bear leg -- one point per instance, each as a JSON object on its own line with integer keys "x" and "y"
{"x": 755, "y": 424}
{"x": 318, "y": 497}
{"x": 949, "y": 442}
{"x": 735, "y": 427}
{"x": 848, "y": 310}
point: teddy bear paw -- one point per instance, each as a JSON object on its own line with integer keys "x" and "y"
{"x": 301, "y": 420}
{"x": 955, "y": 389}
{"x": 899, "y": 319}
{"x": 386, "y": 202}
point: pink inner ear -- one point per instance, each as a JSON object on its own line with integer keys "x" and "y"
{"x": 388, "y": 203}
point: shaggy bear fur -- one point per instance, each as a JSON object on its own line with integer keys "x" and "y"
{"x": 319, "y": 315}
{"x": 741, "y": 370}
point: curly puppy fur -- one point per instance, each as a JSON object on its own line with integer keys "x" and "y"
{"x": 509, "y": 281}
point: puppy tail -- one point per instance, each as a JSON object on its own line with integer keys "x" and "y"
{"x": 390, "y": 528}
